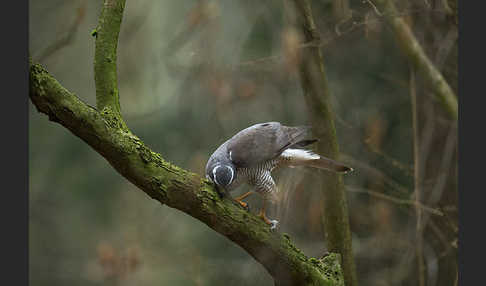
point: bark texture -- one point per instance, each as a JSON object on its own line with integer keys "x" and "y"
{"x": 106, "y": 34}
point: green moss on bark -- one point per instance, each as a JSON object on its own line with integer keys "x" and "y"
{"x": 107, "y": 31}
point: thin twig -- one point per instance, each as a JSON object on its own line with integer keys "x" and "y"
{"x": 438, "y": 232}
{"x": 446, "y": 46}
{"x": 398, "y": 201}
{"x": 392, "y": 161}
{"x": 67, "y": 38}
{"x": 418, "y": 179}
{"x": 197, "y": 18}
{"x": 374, "y": 7}
{"x": 411, "y": 47}
{"x": 323, "y": 42}
{"x": 341, "y": 10}
{"x": 371, "y": 171}
{"x": 445, "y": 165}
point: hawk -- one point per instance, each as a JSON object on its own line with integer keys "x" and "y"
{"x": 252, "y": 154}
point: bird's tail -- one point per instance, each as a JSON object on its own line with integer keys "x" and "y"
{"x": 301, "y": 157}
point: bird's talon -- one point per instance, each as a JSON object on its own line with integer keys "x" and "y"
{"x": 244, "y": 205}
{"x": 273, "y": 224}
{"x": 247, "y": 207}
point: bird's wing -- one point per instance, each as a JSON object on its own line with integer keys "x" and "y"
{"x": 262, "y": 142}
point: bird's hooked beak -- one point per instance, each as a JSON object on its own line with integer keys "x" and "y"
{"x": 221, "y": 192}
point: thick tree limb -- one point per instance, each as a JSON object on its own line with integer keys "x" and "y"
{"x": 317, "y": 96}
{"x": 178, "y": 188}
{"x": 413, "y": 50}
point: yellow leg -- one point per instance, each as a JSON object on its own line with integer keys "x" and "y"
{"x": 273, "y": 223}
{"x": 243, "y": 204}
{"x": 262, "y": 214}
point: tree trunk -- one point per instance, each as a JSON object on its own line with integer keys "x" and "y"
{"x": 317, "y": 97}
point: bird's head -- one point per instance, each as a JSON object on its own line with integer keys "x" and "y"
{"x": 222, "y": 174}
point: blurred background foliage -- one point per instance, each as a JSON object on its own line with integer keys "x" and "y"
{"x": 191, "y": 74}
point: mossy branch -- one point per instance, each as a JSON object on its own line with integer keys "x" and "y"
{"x": 416, "y": 55}
{"x": 317, "y": 96}
{"x": 106, "y": 34}
{"x": 178, "y": 188}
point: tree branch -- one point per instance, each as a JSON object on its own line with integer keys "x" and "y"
{"x": 413, "y": 50}
{"x": 418, "y": 170}
{"x": 65, "y": 39}
{"x": 317, "y": 97}
{"x": 107, "y": 99}
{"x": 398, "y": 201}
{"x": 341, "y": 11}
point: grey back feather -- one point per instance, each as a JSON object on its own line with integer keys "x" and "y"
{"x": 263, "y": 142}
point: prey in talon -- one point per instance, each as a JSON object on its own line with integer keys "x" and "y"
{"x": 250, "y": 156}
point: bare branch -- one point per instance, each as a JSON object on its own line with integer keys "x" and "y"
{"x": 407, "y": 170}
{"x": 398, "y": 201}
{"x": 374, "y": 7}
{"x": 413, "y": 50}
{"x": 418, "y": 170}
{"x": 446, "y": 46}
{"x": 354, "y": 27}
{"x": 373, "y": 172}
{"x": 341, "y": 11}
{"x": 67, "y": 38}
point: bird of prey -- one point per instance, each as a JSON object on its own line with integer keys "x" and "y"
{"x": 252, "y": 154}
